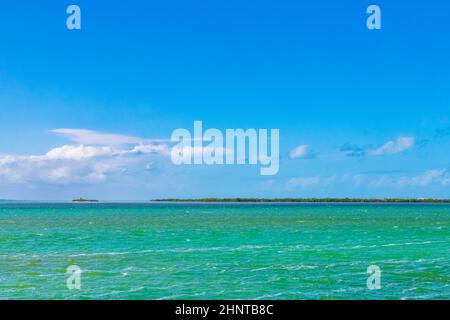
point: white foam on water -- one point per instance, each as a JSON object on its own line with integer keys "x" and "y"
{"x": 268, "y": 296}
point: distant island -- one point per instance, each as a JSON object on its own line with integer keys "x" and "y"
{"x": 307, "y": 200}
{"x": 84, "y": 200}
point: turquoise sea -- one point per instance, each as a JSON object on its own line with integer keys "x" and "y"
{"x": 224, "y": 251}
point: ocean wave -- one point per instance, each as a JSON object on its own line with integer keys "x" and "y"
{"x": 117, "y": 292}
{"x": 396, "y": 244}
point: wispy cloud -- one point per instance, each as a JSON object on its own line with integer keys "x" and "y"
{"x": 400, "y": 145}
{"x": 353, "y": 150}
{"x": 393, "y": 146}
{"x": 327, "y": 181}
{"x": 431, "y": 177}
{"x": 90, "y": 137}
{"x": 428, "y": 178}
{"x": 306, "y": 182}
{"x": 440, "y": 177}
{"x": 302, "y": 151}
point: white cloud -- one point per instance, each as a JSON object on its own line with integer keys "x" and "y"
{"x": 150, "y": 149}
{"x": 302, "y": 151}
{"x": 90, "y": 137}
{"x": 74, "y": 163}
{"x": 393, "y": 146}
{"x": 97, "y": 156}
{"x": 80, "y": 152}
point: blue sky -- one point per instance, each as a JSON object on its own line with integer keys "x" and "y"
{"x": 368, "y": 111}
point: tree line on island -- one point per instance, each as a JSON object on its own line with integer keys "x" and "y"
{"x": 84, "y": 200}
{"x": 307, "y": 200}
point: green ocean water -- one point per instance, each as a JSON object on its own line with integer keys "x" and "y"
{"x": 224, "y": 251}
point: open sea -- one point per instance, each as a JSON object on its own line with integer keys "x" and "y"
{"x": 224, "y": 251}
